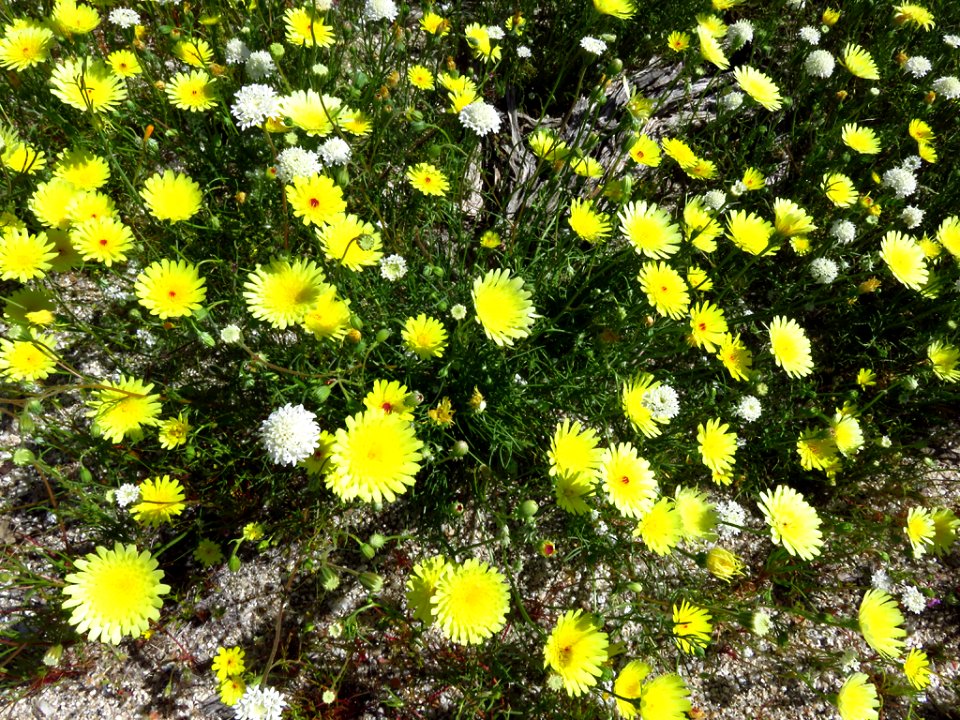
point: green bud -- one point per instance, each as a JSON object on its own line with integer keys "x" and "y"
{"x": 382, "y": 335}
{"x": 277, "y": 51}
{"x": 460, "y": 448}
{"x": 51, "y": 658}
{"x": 27, "y": 425}
{"x": 371, "y": 581}
{"x": 377, "y": 540}
{"x": 206, "y": 338}
{"x": 23, "y": 456}
{"x": 614, "y": 66}
{"x": 368, "y": 550}
{"x": 85, "y": 475}
{"x": 233, "y": 563}
{"x": 329, "y": 579}
{"x": 528, "y": 508}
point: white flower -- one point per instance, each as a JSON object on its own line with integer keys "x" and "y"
{"x": 593, "y": 45}
{"x": 913, "y": 600}
{"x": 231, "y": 334}
{"x": 819, "y": 64}
{"x": 732, "y": 100}
{"x": 127, "y": 494}
{"x": 335, "y": 151}
{"x": 236, "y": 51}
{"x": 732, "y": 512}
{"x": 738, "y": 188}
{"x": 849, "y": 662}
{"x": 662, "y": 401}
{"x": 297, "y": 162}
{"x": 844, "y": 231}
{"x": 254, "y": 104}
{"x": 809, "y": 35}
{"x": 762, "y": 623}
{"x": 480, "y": 117}
{"x": 124, "y": 17}
{"x": 911, "y": 216}
{"x": 523, "y": 51}
{"x": 901, "y": 181}
{"x": 740, "y": 33}
{"x": 824, "y": 270}
{"x": 749, "y": 408}
{"x": 290, "y": 434}
{"x": 952, "y": 40}
{"x": 260, "y": 65}
{"x": 880, "y": 580}
{"x": 380, "y": 10}
{"x": 259, "y": 703}
{"x": 918, "y": 66}
{"x": 458, "y": 312}
{"x": 911, "y": 163}
{"x": 948, "y": 86}
{"x": 715, "y": 199}
{"x": 393, "y": 267}
{"x": 495, "y": 32}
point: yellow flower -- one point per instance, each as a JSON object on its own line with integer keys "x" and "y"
{"x": 866, "y": 377}
{"x": 575, "y": 650}
{"x": 859, "y": 62}
{"x": 645, "y": 151}
{"x": 191, "y": 91}
{"x": 839, "y": 189}
{"x": 666, "y": 697}
{"x": 547, "y": 146}
{"x": 114, "y": 593}
{"x": 920, "y": 530}
{"x": 698, "y": 516}
{"x": 627, "y": 687}
{"x": 571, "y": 489}
{"x": 830, "y": 17}
{"x": 793, "y": 522}
{"x": 632, "y": 400}
{"x": 284, "y": 293}
{"x": 698, "y": 279}
{"x": 424, "y": 336}
{"x": 25, "y": 45}
{"x": 315, "y": 198}
{"x": 23, "y": 158}
{"x": 74, "y": 19}
{"x": 90, "y": 205}
{"x": 51, "y": 201}
{"x": 691, "y": 628}
{"x": 161, "y": 499}
{"x": 753, "y": 179}
{"x": 87, "y": 85}
{"x": 103, "y": 240}
{"x": 194, "y": 52}
{"x": 917, "y": 668}
{"x": 589, "y": 224}
{"x": 678, "y": 41}
{"x": 861, "y": 139}
{"x": 315, "y": 114}
{"x": 428, "y": 179}
{"x": 375, "y": 458}
{"x": 173, "y": 432}
{"x": 660, "y": 529}
{"x": 392, "y": 397}
{"x": 735, "y": 356}
{"x": 790, "y": 347}
{"x": 723, "y": 564}
{"x": 622, "y": 9}
{"x": 350, "y": 241}
{"x": 945, "y": 358}
{"x": 171, "y": 196}
{"x": 707, "y": 326}
{"x": 490, "y": 239}
{"x": 681, "y": 153}
{"x": 666, "y": 290}
{"x": 83, "y": 170}
{"x": 881, "y": 623}
{"x": 470, "y": 602}
{"x": 857, "y": 699}
{"x": 790, "y": 219}
{"x": 905, "y": 258}
{"x": 628, "y": 480}
{"x": 434, "y": 24}
{"x": 574, "y": 450}
{"x": 586, "y": 167}
{"x": 170, "y": 289}
{"x": 422, "y": 585}
{"x": 503, "y": 307}
{"x": 717, "y": 446}
{"x": 915, "y": 14}
{"x": 817, "y": 450}
{"x": 758, "y": 86}
{"x": 231, "y": 690}
{"x": 948, "y": 235}
{"x": 751, "y": 233}
{"x": 24, "y": 256}
{"x": 650, "y": 230}
{"x": 29, "y": 360}
{"x": 228, "y": 663}
{"x": 920, "y": 131}
{"x": 479, "y": 41}
{"x": 420, "y": 77}
{"x": 700, "y": 228}
{"x": 710, "y": 48}
{"x": 945, "y": 524}
{"x": 124, "y": 63}
{"x": 306, "y": 29}
{"x": 443, "y": 413}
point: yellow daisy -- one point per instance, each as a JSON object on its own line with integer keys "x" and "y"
{"x": 27, "y": 360}
{"x": 503, "y": 307}
{"x": 471, "y": 602}
{"x": 424, "y": 336}
{"x": 904, "y": 256}
{"x": 307, "y": 29}
{"x": 170, "y": 289}
{"x": 350, "y": 241}
{"x": 315, "y": 198}
{"x": 284, "y": 292}
{"x": 161, "y": 499}
{"x": 650, "y": 230}
{"x": 171, "y": 196}
{"x": 103, "y": 240}
{"x": 87, "y": 85}
{"x": 329, "y": 316}
{"x": 859, "y": 62}
{"x": 120, "y": 409}
{"x": 860, "y": 139}
{"x": 666, "y": 290}
{"x": 191, "y": 91}
{"x": 589, "y": 224}
{"x": 428, "y": 179}
{"x": 881, "y": 623}
{"x": 24, "y": 256}
{"x": 790, "y": 347}
{"x": 758, "y": 86}
{"x": 793, "y": 522}
{"x": 691, "y": 628}
{"x": 660, "y": 529}
{"x": 708, "y": 326}
{"x": 628, "y": 480}
{"x": 575, "y": 651}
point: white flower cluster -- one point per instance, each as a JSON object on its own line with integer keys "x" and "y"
{"x": 952, "y": 40}
{"x": 260, "y": 65}
{"x": 740, "y": 33}
{"x": 290, "y": 434}
{"x": 495, "y": 32}
{"x": 732, "y": 100}
{"x": 730, "y": 511}
{"x": 662, "y": 402}
{"x": 126, "y": 494}
{"x": 913, "y": 600}
{"x": 236, "y": 51}
{"x": 393, "y": 267}
{"x": 715, "y": 199}
{"x": 823, "y": 270}
{"x": 335, "y": 151}
{"x": 376, "y": 10}
{"x": 260, "y": 703}
{"x": 523, "y": 51}
{"x": 593, "y": 45}
{"x": 819, "y": 64}
{"x": 480, "y": 117}
{"x": 901, "y": 181}
{"x": 911, "y": 216}
{"x": 124, "y": 17}
{"x": 458, "y": 312}
{"x": 918, "y": 66}
{"x": 748, "y": 409}
{"x": 843, "y": 231}
{"x": 948, "y": 86}
{"x": 254, "y": 104}
{"x": 297, "y": 162}
{"x": 811, "y": 36}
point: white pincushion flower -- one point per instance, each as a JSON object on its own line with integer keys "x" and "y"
{"x": 393, "y": 267}
{"x": 236, "y": 52}
{"x": 254, "y": 104}
{"x": 740, "y": 33}
{"x": 732, "y": 100}
{"x": 458, "y": 311}
{"x": 918, "y": 66}
{"x": 260, "y": 65}
{"x": 297, "y": 162}
{"x": 715, "y": 199}
{"x": 124, "y": 17}
{"x": 913, "y": 600}
{"x": 495, "y": 32}
{"x": 335, "y": 151}
{"x": 901, "y": 181}
{"x": 880, "y": 580}
{"x": 662, "y": 402}
{"x": 819, "y": 64}
{"x": 824, "y": 270}
{"x": 480, "y": 117}
{"x": 952, "y": 40}
{"x": 748, "y": 409}
{"x": 259, "y": 703}
{"x": 911, "y": 216}
{"x": 593, "y": 45}
{"x": 948, "y": 86}
{"x": 290, "y": 434}
{"x": 844, "y": 231}
{"x": 809, "y": 35}
{"x": 376, "y": 10}
{"x": 732, "y": 512}
{"x": 231, "y": 334}
{"x": 523, "y": 51}
{"x": 126, "y": 494}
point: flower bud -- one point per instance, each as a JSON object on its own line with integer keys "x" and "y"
{"x": 371, "y": 581}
